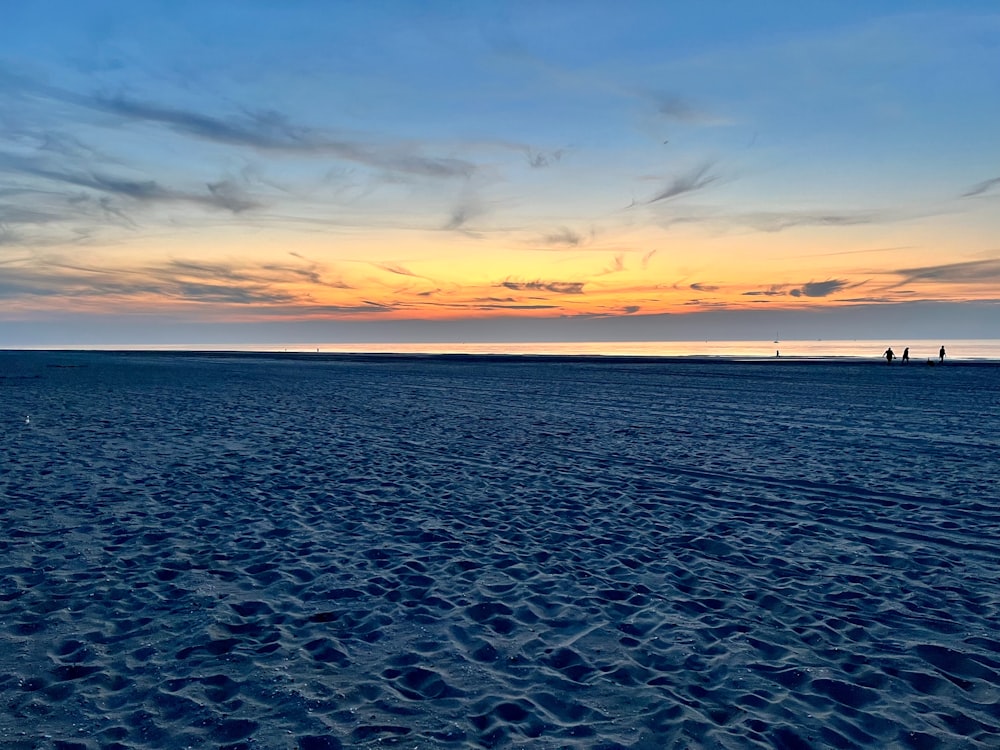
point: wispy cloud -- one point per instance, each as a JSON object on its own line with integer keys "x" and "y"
{"x": 219, "y": 195}
{"x": 542, "y": 159}
{"x": 699, "y": 287}
{"x": 969, "y": 272}
{"x": 680, "y": 109}
{"x": 397, "y": 269}
{"x": 780, "y": 221}
{"x": 273, "y": 131}
{"x": 617, "y": 265}
{"x": 982, "y": 187}
{"x": 506, "y": 307}
{"x": 696, "y": 179}
{"x": 767, "y": 221}
{"x": 469, "y": 207}
{"x": 776, "y": 290}
{"x": 228, "y": 294}
{"x": 262, "y": 130}
{"x": 556, "y": 287}
{"x": 310, "y": 274}
{"x": 562, "y": 236}
{"x": 232, "y": 272}
{"x": 813, "y": 289}
{"x": 308, "y": 310}
{"x": 175, "y": 280}
{"x": 820, "y": 288}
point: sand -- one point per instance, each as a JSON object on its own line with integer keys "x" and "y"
{"x": 253, "y": 551}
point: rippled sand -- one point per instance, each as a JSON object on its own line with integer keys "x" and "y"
{"x": 321, "y": 552}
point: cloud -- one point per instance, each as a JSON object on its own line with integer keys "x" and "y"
{"x": 557, "y": 287}
{"x": 272, "y": 131}
{"x": 302, "y": 310}
{"x": 682, "y": 110}
{"x": 262, "y": 130}
{"x": 158, "y": 285}
{"x": 617, "y": 265}
{"x": 191, "y": 281}
{"x": 19, "y": 214}
{"x": 982, "y": 187}
{"x": 696, "y": 179}
{"x": 508, "y": 307}
{"x": 227, "y": 194}
{"x": 646, "y": 258}
{"x": 820, "y": 288}
{"x": 201, "y": 292}
{"x": 810, "y": 289}
{"x": 467, "y": 209}
{"x": 219, "y": 195}
{"x": 776, "y": 290}
{"x": 969, "y": 272}
{"x": 311, "y": 274}
{"x": 397, "y": 269}
{"x": 563, "y": 236}
{"x": 779, "y": 221}
{"x": 542, "y": 159}
{"x": 265, "y": 273}
{"x": 7, "y": 235}
{"x": 698, "y": 287}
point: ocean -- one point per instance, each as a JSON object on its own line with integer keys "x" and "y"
{"x": 920, "y": 350}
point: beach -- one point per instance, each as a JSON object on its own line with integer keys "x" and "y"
{"x": 291, "y": 551}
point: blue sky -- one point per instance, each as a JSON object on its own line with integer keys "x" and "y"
{"x": 274, "y": 171}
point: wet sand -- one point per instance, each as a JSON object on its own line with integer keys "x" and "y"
{"x": 460, "y": 552}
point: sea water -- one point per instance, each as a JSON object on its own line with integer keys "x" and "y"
{"x": 920, "y": 350}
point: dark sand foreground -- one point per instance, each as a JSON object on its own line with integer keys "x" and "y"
{"x": 307, "y": 552}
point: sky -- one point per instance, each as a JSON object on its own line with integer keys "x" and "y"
{"x": 184, "y": 172}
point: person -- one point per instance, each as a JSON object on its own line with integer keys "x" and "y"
{"x": 889, "y": 354}
{"x": 941, "y": 354}
{"x": 906, "y": 355}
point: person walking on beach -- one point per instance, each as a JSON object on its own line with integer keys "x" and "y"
{"x": 906, "y": 355}
{"x": 941, "y": 355}
{"x": 889, "y": 354}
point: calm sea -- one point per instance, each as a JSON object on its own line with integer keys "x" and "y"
{"x": 969, "y": 349}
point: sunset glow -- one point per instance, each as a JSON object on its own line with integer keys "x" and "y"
{"x": 255, "y": 162}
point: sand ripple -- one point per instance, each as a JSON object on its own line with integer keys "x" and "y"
{"x": 254, "y": 552}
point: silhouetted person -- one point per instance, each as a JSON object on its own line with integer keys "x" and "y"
{"x": 941, "y": 354}
{"x": 889, "y": 354}
{"x": 906, "y": 355}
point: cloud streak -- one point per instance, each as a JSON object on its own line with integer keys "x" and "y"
{"x": 969, "y": 272}
{"x": 563, "y": 236}
{"x": 175, "y": 281}
{"x": 982, "y": 187}
{"x": 682, "y": 110}
{"x": 556, "y": 287}
{"x": 811, "y": 289}
{"x": 780, "y": 221}
{"x": 223, "y": 195}
{"x": 263, "y": 131}
{"x": 820, "y": 288}
{"x": 777, "y": 290}
{"x": 696, "y": 179}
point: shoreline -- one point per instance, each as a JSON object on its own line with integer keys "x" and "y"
{"x": 535, "y": 358}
